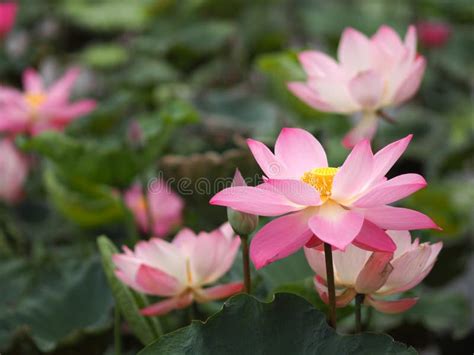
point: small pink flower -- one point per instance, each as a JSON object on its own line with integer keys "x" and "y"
{"x": 166, "y": 208}
{"x": 372, "y": 73}
{"x": 13, "y": 171}
{"x": 180, "y": 269}
{"x": 376, "y": 274}
{"x": 338, "y": 206}
{"x": 433, "y": 34}
{"x": 38, "y": 109}
{"x": 7, "y": 17}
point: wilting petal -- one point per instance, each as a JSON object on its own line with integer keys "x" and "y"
{"x": 402, "y": 239}
{"x": 255, "y": 201}
{"x": 374, "y": 274}
{"x": 354, "y": 52}
{"x": 221, "y": 291}
{"x": 296, "y": 191}
{"x": 391, "y": 306}
{"x": 367, "y": 88}
{"x": 32, "y": 82}
{"x": 309, "y": 96}
{"x": 373, "y": 238}
{"x": 354, "y": 173}
{"x": 391, "y": 190}
{"x": 156, "y": 282}
{"x": 163, "y": 307}
{"x": 318, "y": 64}
{"x": 335, "y": 225}
{"x": 397, "y": 218}
{"x": 273, "y": 167}
{"x": 365, "y": 129}
{"x": 299, "y": 151}
{"x": 410, "y": 85}
{"x": 279, "y": 238}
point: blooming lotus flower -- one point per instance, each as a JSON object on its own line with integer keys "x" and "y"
{"x": 38, "y": 109}
{"x": 166, "y": 208}
{"x": 376, "y": 274}
{"x": 372, "y": 74}
{"x": 338, "y": 206}
{"x": 7, "y": 17}
{"x": 433, "y": 34}
{"x": 180, "y": 269}
{"x": 13, "y": 171}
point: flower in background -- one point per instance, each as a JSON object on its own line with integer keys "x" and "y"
{"x": 338, "y": 206}
{"x": 433, "y": 34}
{"x": 180, "y": 269}
{"x": 372, "y": 74}
{"x": 7, "y": 17}
{"x": 165, "y": 206}
{"x": 13, "y": 171}
{"x": 38, "y": 109}
{"x": 376, "y": 274}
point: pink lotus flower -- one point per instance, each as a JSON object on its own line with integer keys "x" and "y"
{"x": 13, "y": 171}
{"x": 338, "y": 206}
{"x": 166, "y": 208}
{"x": 179, "y": 270}
{"x": 39, "y": 109}
{"x": 372, "y": 73}
{"x": 376, "y": 274}
{"x": 7, "y": 17}
{"x": 433, "y": 34}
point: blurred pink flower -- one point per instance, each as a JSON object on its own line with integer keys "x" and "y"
{"x": 338, "y": 206}
{"x": 38, "y": 109}
{"x": 433, "y": 34}
{"x": 376, "y": 274}
{"x": 13, "y": 171}
{"x": 7, "y": 17}
{"x": 166, "y": 208}
{"x": 372, "y": 73}
{"x": 180, "y": 269}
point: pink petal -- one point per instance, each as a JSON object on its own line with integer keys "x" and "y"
{"x": 238, "y": 179}
{"x": 367, "y": 88}
{"x": 316, "y": 261}
{"x": 318, "y": 64}
{"x": 335, "y": 225}
{"x": 385, "y": 158}
{"x": 279, "y": 238}
{"x": 185, "y": 241}
{"x": 365, "y": 129}
{"x": 294, "y": 190}
{"x": 61, "y": 89}
{"x": 156, "y": 282}
{"x": 254, "y": 200}
{"x": 410, "y": 85}
{"x": 391, "y": 190}
{"x": 373, "y": 238}
{"x": 391, "y": 306}
{"x": 309, "y": 96}
{"x": 342, "y": 298}
{"x": 388, "y": 40}
{"x": 335, "y": 93}
{"x": 300, "y": 151}
{"x": 272, "y": 166}
{"x": 410, "y": 42}
{"x": 375, "y": 272}
{"x": 402, "y": 239}
{"x": 354, "y": 173}
{"x": 222, "y": 291}
{"x": 163, "y": 307}
{"x": 64, "y": 114}
{"x": 32, "y": 81}
{"x": 397, "y": 218}
{"x": 354, "y": 52}
{"x": 348, "y": 264}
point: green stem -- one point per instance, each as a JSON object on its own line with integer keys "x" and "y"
{"x": 359, "y": 299}
{"x": 117, "y": 333}
{"x": 331, "y": 285}
{"x": 246, "y": 263}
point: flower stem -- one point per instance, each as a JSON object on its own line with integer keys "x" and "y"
{"x": 384, "y": 115}
{"x": 117, "y": 335}
{"x": 246, "y": 263}
{"x": 331, "y": 285}
{"x": 359, "y": 299}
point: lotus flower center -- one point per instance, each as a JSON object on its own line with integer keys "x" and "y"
{"x": 321, "y": 179}
{"x": 35, "y": 100}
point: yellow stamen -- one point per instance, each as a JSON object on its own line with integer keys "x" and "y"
{"x": 35, "y": 100}
{"x": 189, "y": 273}
{"x": 321, "y": 179}
{"x": 141, "y": 204}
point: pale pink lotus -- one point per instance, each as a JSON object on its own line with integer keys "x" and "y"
{"x": 38, "y": 109}
{"x": 7, "y": 17}
{"x": 180, "y": 269}
{"x": 372, "y": 74}
{"x": 376, "y": 274}
{"x": 13, "y": 171}
{"x": 165, "y": 205}
{"x": 338, "y": 206}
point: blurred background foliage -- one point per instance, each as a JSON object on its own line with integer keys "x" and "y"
{"x": 198, "y": 77}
